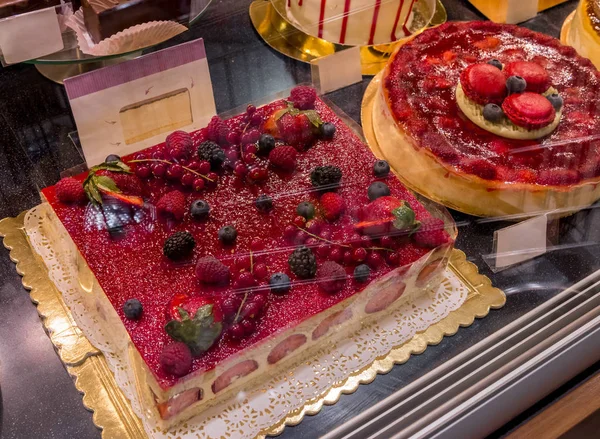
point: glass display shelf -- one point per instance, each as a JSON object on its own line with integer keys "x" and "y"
{"x": 35, "y": 131}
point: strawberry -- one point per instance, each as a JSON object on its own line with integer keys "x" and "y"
{"x": 283, "y": 157}
{"x": 172, "y": 204}
{"x": 217, "y": 131}
{"x": 127, "y": 183}
{"x": 191, "y": 304}
{"x": 210, "y": 270}
{"x": 293, "y": 126}
{"x": 68, "y": 190}
{"x": 385, "y": 215}
{"x": 332, "y": 206}
{"x": 431, "y": 233}
{"x": 303, "y": 97}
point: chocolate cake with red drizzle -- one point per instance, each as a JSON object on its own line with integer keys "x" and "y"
{"x": 356, "y": 22}
{"x": 226, "y": 253}
{"x": 492, "y": 119}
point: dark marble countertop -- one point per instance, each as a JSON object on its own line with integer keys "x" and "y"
{"x": 38, "y": 397}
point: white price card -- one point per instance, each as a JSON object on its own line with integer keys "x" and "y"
{"x": 130, "y": 106}
{"x": 31, "y": 35}
{"x": 338, "y": 70}
{"x": 520, "y": 242}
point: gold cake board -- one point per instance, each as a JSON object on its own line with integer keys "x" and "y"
{"x": 285, "y": 38}
{"x": 112, "y": 411}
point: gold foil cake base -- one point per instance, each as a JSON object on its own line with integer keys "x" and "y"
{"x": 284, "y": 37}
{"x": 112, "y": 411}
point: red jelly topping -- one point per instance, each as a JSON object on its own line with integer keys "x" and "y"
{"x": 431, "y": 116}
{"x": 484, "y": 83}
{"x": 534, "y": 74}
{"x": 529, "y": 110}
{"x": 133, "y": 266}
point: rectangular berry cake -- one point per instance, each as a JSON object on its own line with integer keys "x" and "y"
{"x": 225, "y": 255}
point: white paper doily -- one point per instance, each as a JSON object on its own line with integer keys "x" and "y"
{"x": 249, "y": 413}
{"x": 133, "y": 38}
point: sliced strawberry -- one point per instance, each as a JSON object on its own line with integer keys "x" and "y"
{"x": 191, "y": 304}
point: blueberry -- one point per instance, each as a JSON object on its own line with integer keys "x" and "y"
{"x": 515, "y": 84}
{"x": 493, "y": 113}
{"x": 264, "y": 203}
{"x": 280, "y": 283}
{"x": 133, "y": 309}
{"x": 555, "y": 100}
{"x": 378, "y": 189}
{"x": 362, "y": 272}
{"x": 494, "y": 62}
{"x": 266, "y": 143}
{"x": 327, "y": 130}
{"x": 227, "y": 235}
{"x": 199, "y": 209}
{"x": 381, "y": 168}
{"x": 112, "y": 158}
{"x": 306, "y": 209}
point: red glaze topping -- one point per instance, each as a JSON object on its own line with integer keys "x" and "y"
{"x": 432, "y": 117}
{"x": 529, "y": 110}
{"x": 484, "y": 84}
{"x": 133, "y": 265}
{"x": 534, "y": 74}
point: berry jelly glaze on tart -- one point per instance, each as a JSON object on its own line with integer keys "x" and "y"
{"x": 258, "y": 225}
{"x": 447, "y": 124}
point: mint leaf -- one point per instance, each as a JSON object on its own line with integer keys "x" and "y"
{"x": 199, "y": 333}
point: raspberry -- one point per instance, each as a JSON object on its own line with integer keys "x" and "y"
{"x": 217, "y": 131}
{"x": 431, "y": 233}
{"x": 210, "y": 270}
{"x": 283, "y": 157}
{"x": 331, "y": 277}
{"x": 303, "y": 97}
{"x": 179, "y": 140}
{"x": 172, "y": 204}
{"x": 332, "y": 205}
{"x": 68, "y": 190}
{"x": 176, "y": 359}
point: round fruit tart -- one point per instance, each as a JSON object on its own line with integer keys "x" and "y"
{"x": 492, "y": 119}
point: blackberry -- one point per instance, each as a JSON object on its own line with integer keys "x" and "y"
{"x": 326, "y": 177}
{"x": 266, "y": 144}
{"x": 280, "y": 283}
{"x": 212, "y": 153}
{"x": 227, "y": 234}
{"x": 362, "y": 272}
{"x": 179, "y": 246}
{"x": 112, "y": 158}
{"x": 306, "y": 209}
{"x": 378, "y": 189}
{"x": 303, "y": 263}
{"x": 199, "y": 209}
{"x": 381, "y": 168}
{"x": 264, "y": 203}
{"x": 133, "y": 309}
